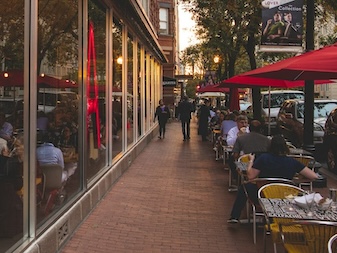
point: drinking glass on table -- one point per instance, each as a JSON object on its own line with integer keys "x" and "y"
{"x": 310, "y": 200}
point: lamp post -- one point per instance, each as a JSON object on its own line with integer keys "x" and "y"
{"x": 308, "y": 139}
{"x": 216, "y": 60}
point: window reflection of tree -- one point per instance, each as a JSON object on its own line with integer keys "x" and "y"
{"x": 58, "y": 33}
{"x": 130, "y": 136}
{"x": 117, "y": 87}
{"x": 12, "y": 34}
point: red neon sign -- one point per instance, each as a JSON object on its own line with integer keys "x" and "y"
{"x": 92, "y": 102}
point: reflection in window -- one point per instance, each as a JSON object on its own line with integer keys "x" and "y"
{"x": 129, "y": 98}
{"x": 321, "y": 109}
{"x": 57, "y": 98}
{"x": 277, "y": 99}
{"x": 117, "y": 90}
{"x": 139, "y": 91}
{"x": 96, "y": 90}
{"x": 11, "y": 123}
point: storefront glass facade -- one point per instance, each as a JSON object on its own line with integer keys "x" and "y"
{"x": 78, "y": 89}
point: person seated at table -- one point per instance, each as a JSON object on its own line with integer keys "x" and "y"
{"x": 273, "y": 164}
{"x": 227, "y": 124}
{"x": 252, "y": 142}
{"x": 68, "y": 138}
{"x": 42, "y": 121}
{"x": 47, "y": 153}
{"x": 6, "y": 132}
{"x": 240, "y": 128}
{"x": 11, "y": 164}
{"x": 215, "y": 121}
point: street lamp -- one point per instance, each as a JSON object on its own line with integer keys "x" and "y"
{"x": 216, "y": 59}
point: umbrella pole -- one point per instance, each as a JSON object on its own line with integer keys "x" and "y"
{"x": 269, "y": 98}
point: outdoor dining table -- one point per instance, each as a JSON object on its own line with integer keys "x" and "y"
{"x": 284, "y": 208}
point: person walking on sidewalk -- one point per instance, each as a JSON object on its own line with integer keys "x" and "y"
{"x": 163, "y": 114}
{"x": 204, "y": 116}
{"x": 185, "y": 109}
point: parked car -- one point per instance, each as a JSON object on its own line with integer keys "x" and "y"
{"x": 277, "y": 97}
{"x": 48, "y": 100}
{"x": 330, "y": 141}
{"x": 290, "y": 119}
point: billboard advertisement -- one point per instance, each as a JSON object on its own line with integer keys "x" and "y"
{"x": 282, "y": 24}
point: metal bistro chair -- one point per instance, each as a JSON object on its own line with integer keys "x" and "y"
{"x": 53, "y": 183}
{"x": 254, "y": 210}
{"x": 308, "y": 161}
{"x": 332, "y": 245}
{"x": 316, "y": 236}
{"x": 277, "y": 190}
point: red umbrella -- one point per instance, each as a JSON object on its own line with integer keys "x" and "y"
{"x": 314, "y": 65}
{"x": 13, "y": 78}
{"x": 250, "y": 82}
{"x": 52, "y": 82}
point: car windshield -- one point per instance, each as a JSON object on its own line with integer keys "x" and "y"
{"x": 321, "y": 109}
{"x": 277, "y": 99}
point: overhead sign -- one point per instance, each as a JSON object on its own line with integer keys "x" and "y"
{"x": 169, "y": 81}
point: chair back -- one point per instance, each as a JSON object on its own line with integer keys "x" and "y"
{"x": 244, "y": 158}
{"x": 332, "y": 245}
{"x": 277, "y": 190}
{"x": 308, "y": 161}
{"x": 268, "y": 180}
{"x": 53, "y": 175}
{"x": 316, "y": 234}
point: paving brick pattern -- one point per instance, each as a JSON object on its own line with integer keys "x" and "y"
{"x": 173, "y": 198}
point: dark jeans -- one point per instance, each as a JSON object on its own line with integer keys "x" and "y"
{"x": 162, "y": 128}
{"x": 232, "y": 166}
{"x": 241, "y": 199}
{"x": 185, "y": 125}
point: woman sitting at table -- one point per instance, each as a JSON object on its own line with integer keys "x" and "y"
{"x": 274, "y": 164}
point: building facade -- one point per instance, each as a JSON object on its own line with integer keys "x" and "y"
{"x": 79, "y": 84}
{"x": 167, "y": 38}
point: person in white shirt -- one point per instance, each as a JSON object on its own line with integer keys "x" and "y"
{"x": 240, "y": 128}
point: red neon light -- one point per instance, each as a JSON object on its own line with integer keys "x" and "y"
{"x": 92, "y": 103}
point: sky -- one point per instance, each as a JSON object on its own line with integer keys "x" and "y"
{"x": 186, "y": 25}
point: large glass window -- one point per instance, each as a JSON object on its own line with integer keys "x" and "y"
{"x": 139, "y": 90}
{"x": 12, "y": 146}
{"x": 96, "y": 89}
{"x": 57, "y": 150}
{"x": 130, "y": 107}
{"x": 117, "y": 88}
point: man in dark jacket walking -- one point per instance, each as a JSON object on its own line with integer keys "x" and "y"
{"x": 184, "y": 111}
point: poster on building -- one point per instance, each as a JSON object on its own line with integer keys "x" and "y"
{"x": 282, "y": 25}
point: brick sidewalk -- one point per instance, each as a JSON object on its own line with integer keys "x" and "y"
{"x": 173, "y": 198}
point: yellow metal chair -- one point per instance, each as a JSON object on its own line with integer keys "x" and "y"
{"x": 308, "y": 161}
{"x": 316, "y": 236}
{"x": 254, "y": 210}
{"x": 277, "y": 190}
{"x": 332, "y": 244}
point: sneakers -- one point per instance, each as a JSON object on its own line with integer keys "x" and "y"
{"x": 233, "y": 221}
{"x": 159, "y": 137}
